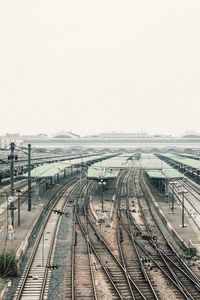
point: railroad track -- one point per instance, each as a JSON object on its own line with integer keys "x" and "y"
{"x": 81, "y": 282}
{"x": 184, "y": 283}
{"x": 192, "y": 199}
{"x": 190, "y": 186}
{"x": 35, "y": 279}
{"x": 107, "y": 278}
{"x": 112, "y": 265}
{"x": 130, "y": 255}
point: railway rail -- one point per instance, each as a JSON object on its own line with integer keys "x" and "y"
{"x": 191, "y": 199}
{"x": 130, "y": 255}
{"x": 34, "y": 281}
{"x": 175, "y": 269}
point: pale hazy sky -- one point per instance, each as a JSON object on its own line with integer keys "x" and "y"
{"x": 97, "y": 66}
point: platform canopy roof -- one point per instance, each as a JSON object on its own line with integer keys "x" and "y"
{"x": 101, "y": 173}
{"x": 192, "y": 156}
{"x": 164, "y": 174}
{"x": 51, "y": 170}
{"x": 150, "y": 161}
{"x": 194, "y": 164}
{"x": 155, "y": 167}
{"x": 107, "y": 169}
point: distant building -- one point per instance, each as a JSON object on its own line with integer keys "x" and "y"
{"x": 40, "y": 135}
{"x": 123, "y": 135}
{"x": 65, "y": 135}
{"x": 6, "y": 140}
{"x": 190, "y": 134}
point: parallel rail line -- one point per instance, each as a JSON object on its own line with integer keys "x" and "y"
{"x": 34, "y": 282}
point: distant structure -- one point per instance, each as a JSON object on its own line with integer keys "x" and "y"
{"x": 65, "y": 135}
{"x": 190, "y": 134}
{"x": 39, "y": 135}
{"x": 115, "y": 140}
{"x": 120, "y": 134}
{"x": 6, "y": 140}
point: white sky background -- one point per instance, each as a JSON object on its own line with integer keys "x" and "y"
{"x": 97, "y": 66}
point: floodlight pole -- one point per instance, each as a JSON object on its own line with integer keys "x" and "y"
{"x": 29, "y": 177}
{"x": 183, "y": 209}
{"x": 5, "y": 226}
{"x": 166, "y": 190}
{"x": 173, "y": 199}
{"x": 12, "y": 148}
{"x": 183, "y": 206}
{"x": 173, "y": 195}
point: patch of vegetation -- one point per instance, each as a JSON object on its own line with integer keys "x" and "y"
{"x": 8, "y": 264}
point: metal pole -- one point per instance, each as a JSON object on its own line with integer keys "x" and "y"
{"x": 37, "y": 190}
{"x": 166, "y": 190}
{"x": 81, "y": 177}
{"x": 12, "y": 148}
{"x": 18, "y": 200}
{"x": 100, "y": 239}
{"x": 102, "y": 196}
{"x": 5, "y": 228}
{"x": 173, "y": 198}
{"x": 29, "y": 177}
{"x": 43, "y": 241}
{"x": 182, "y": 209}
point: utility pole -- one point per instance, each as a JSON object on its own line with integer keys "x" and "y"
{"x": 11, "y": 157}
{"x": 183, "y": 206}
{"x": 166, "y": 189}
{"x": 29, "y": 177}
{"x": 12, "y": 148}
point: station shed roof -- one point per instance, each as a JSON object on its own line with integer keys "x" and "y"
{"x": 156, "y": 168}
{"x": 165, "y": 173}
{"x": 150, "y": 161}
{"x": 101, "y": 173}
{"x": 50, "y": 170}
{"x": 107, "y": 169}
{"x": 187, "y": 155}
{"x": 194, "y": 164}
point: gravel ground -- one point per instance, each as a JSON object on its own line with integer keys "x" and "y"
{"x": 62, "y": 250}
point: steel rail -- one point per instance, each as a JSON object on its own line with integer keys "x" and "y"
{"x": 187, "y": 274}
{"x": 119, "y": 187}
{"x": 155, "y": 262}
{"x": 36, "y": 244}
{"x": 115, "y": 258}
{"x": 75, "y": 212}
{"x": 123, "y": 261}
{"x": 97, "y": 255}
{"x": 52, "y": 246}
{"x": 192, "y": 186}
{"x": 177, "y": 189}
{"x": 190, "y": 274}
{"x": 126, "y": 272}
{"x": 141, "y": 265}
{"x": 146, "y": 277}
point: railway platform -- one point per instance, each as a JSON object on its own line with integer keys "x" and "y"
{"x": 187, "y": 236}
{"x": 20, "y": 237}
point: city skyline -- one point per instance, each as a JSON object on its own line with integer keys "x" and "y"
{"x": 101, "y": 134}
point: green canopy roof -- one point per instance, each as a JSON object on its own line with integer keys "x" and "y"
{"x": 50, "y": 170}
{"x": 195, "y": 164}
{"x": 108, "y": 168}
{"x": 165, "y": 173}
